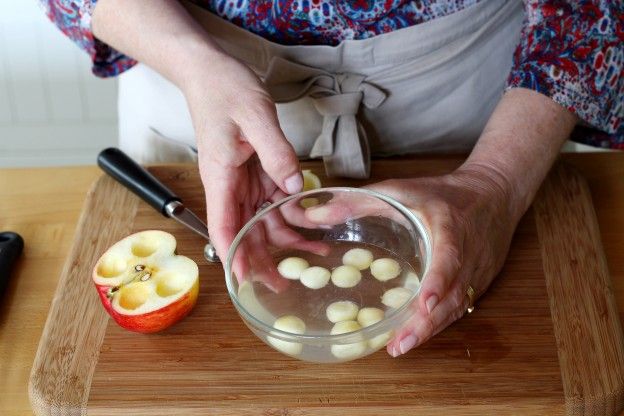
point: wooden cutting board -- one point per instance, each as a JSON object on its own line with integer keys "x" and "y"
{"x": 545, "y": 339}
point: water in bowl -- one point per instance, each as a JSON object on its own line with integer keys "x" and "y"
{"x": 310, "y": 304}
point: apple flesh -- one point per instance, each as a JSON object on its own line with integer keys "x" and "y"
{"x": 143, "y": 285}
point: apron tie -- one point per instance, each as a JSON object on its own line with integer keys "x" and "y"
{"x": 337, "y": 97}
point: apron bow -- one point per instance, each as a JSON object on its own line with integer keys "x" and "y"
{"x": 337, "y": 97}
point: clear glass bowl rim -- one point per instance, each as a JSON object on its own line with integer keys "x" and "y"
{"x": 349, "y": 337}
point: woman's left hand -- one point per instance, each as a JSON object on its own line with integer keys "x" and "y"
{"x": 471, "y": 216}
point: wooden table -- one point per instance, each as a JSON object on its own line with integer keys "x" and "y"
{"x": 43, "y": 206}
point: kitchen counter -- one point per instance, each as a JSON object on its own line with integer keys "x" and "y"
{"x": 43, "y": 206}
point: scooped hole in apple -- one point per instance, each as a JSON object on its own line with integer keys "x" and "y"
{"x": 133, "y": 295}
{"x": 169, "y": 285}
{"x": 111, "y": 267}
{"x": 144, "y": 247}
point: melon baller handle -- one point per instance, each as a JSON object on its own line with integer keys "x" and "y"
{"x": 137, "y": 179}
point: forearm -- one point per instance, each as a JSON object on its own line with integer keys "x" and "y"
{"x": 520, "y": 144}
{"x": 159, "y": 33}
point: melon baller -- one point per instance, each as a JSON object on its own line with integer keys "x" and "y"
{"x": 137, "y": 179}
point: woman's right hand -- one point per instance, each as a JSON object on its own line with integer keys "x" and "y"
{"x": 244, "y": 158}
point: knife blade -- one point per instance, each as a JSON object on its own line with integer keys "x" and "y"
{"x": 177, "y": 211}
{"x": 138, "y": 180}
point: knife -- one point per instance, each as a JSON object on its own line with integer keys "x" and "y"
{"x": 11, "y": 246}
{"x": 138, "y": 180}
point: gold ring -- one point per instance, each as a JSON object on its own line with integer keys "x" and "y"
{"x": 470, "y": 292}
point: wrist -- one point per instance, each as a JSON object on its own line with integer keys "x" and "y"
{"x": 518, "y": 146}
{"x": 492, "y": 183}
{"x": 197, "y": 62}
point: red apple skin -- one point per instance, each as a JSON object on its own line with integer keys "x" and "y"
{"x": 154, "y": 321}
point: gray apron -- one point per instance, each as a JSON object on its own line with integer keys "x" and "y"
{"x": 428, "y": 88}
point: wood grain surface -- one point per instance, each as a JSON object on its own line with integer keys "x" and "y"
{"x": 501, "y": 359}
{"x": 43, "y": 205}
{"x": 585, "y": 317}
{"x": 62, "y": 371}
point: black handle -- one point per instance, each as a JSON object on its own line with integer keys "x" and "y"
{"x": 134, "y": 177}
{"x": 11, "y": 246}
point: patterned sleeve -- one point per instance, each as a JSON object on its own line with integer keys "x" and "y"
{"x": 573, "y": 52}
{"x": 73, "y": 17}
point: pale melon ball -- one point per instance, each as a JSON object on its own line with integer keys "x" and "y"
{"x": 309, "y": 202}
{"x": 347, "y": 351}
{"x": 369, "y": 316}
{"x": 344, "y": 327}
{"x": 342, "y": 310}
{"x": 412, "y": 281}
{"x": 380, "y": 340}
{"x": 346, "y": 276}
{"x": 287, "y": 347}
{"x": 385, "y": 269}
{"x": 310, "y": 180}
{"x": 292, "y": 324}
{"x": 396, "y": 297}
{"x": 315, "y": 277}
{"x": 358, "y": 257}
{"x": 291, "y": 267}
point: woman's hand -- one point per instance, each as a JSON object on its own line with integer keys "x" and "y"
{"x": 244, "y": 158}
{"x": 471, "y": 217}
{"x": 472, "y": 212}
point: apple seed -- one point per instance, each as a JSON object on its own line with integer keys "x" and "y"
{"x": 111, "y": 292}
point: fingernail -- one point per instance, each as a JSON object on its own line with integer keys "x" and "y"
{"x": 394, "y": 353}
{"x": 431, "y": 302}
{"x": 294, "y": 184}
{"x": 407, "y": 343}
{"x": 318, "y": 214}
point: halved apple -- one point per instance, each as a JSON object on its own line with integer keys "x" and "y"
{"x": 143, "y": 284}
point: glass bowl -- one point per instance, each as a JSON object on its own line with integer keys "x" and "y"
{"x": 285, "y": 303}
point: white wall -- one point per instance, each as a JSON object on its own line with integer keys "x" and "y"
{"x": 53, "y": 111}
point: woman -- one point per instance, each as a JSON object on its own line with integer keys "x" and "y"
{"x": 359, "y": 77}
